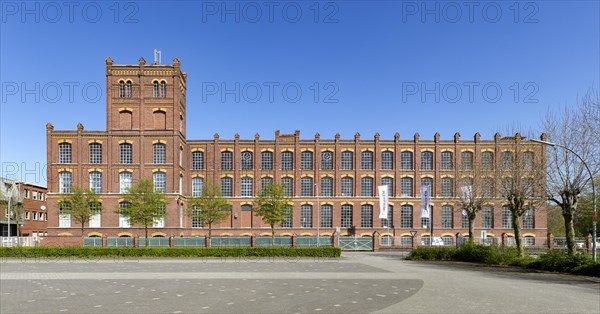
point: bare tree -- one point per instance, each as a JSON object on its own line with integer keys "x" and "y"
{"x": 477, "y": 185}
{"x": 520, "y": 179}
{"x": 577, "y": 128}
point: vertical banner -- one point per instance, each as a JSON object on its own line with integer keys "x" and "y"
{"x": 425, "y": 200}
{"x": 383, "y": 201}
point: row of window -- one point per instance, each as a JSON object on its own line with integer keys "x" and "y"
{"x": 159, "y": 89}
{"x": 326, "y": 219}
{"x": 306, "y": 159}
{"x": 36, "y": 216}
{"x": 34, "y": 195}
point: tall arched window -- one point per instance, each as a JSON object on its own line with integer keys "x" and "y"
{"x": 366, "y": 216}
{"x": 326, "y": 186}
{"x": 306, "y": 186}
{"x": 287, "y": 160}
{"x": 159, "y": 153}
{"x": 65, "y": 181}
{"x": 389, "y": 181}
{"x": 129, "y": 91}
{"x": 226, "y": 160}
{"x": 95, "y": 152}
{"x": 387, "y": 160}
{"x": 406, "y": 216}
{"x": 155, "y": 89}
{"x": 287, "y": 221}
{"x": 160, "y": 181}
{"x": 197, "y": 160}
{"x": 447, "y": 187}
{"x": 326, "y": 216}
{"x": 125, "y": 180}
{"x": 197, "y": 186}
{"x": 346, "y": 216}
{"x": 123, "y": 219}
{"x": 347, "y": 160}
{"x": 125, "y": 153}
{"x": 266, "y": 160}
{"x": 96, "y": 182}
{"x": 306, "y": 160}
{"x": 406, "y": 162}
{"x": 466, "y": 160}
{"x": 327, "y": 160}
{"x": 163, "y": 89}
{"x": 306, "y": 216}
{"x": 247, "y": 160}
{"x": 227, "y": 187}
{"x": 121, "y": 89}
{"x": 288, "y": 184}
{"x": 64, "y": 153}
{"x": 406, "y": 186}
{"x": 366, "y": 160}
{"x": 264, "y": 182}
{"x": 426, "y": 161}
{"x": 247, "y": 184}
{"x": 347, "y": 186}
{"x": 366, "y": 186}
{"x": 447, "y": 217}
{"x": 447, "y": 161}
{"x": 487, "y": 161}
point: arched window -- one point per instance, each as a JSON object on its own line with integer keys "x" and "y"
{"x": 487, "y": 160}
{"x": 197, "y": 221}
{"x": 227, "y": 187}
{"x": 406, "y": 160}
{"x": 306, "y": 216}
{"x": 327, "y": 160}
{"x": 287, "y": 221}
{"x": 528, "y": 241}
{"x": 506, "y": 218}
{"x": 426, "y": 161}
{"x": 159, "y": 153}
{"x": 160, "y": 181}
{"x": 347, "y": 160}
{"x": 121, "y": 89}
{"x": 163, "y": 89}
{"x": 197, "y": 186}
{"x": 161, "y": 212}
{"x": 387, "y": 160}
{"x": 528, "y": 161}
{"x": 95, "y": 215}
{"x": 197, "y": 160}
{"x": 406, "y": 186}
{"x": 387, "y": 222}
{"x": 466, "y": 160}
{"x": 366, "y": 186}
{"x": 306, "y": 186}
{"x": 155, "y": 89}
{"x": 326, "y": 186}
{"x": 124, "y": 219}
{"x": 247, "y": 184}
{"x": 487, "y": 217}
{"x": 366, "y": 160}
{"x": 406, "y": 216}
{"x": 447, "y": 187}
{"x": 529, "y": 219}
{"x": 306, "y": 160}
{"x": 125, "y": 153}
{"x": 96, "y": 182}
{"x": 326, "y": 216}
{"x": 95, "y": 150}
{"x": 65, "y": 181}
{"x": 366, "y": 216}
{"x": 125, "y": 180}
{"x": 447, "y": 162}
{"x": 264, "y": 182}
{"x": 266, "y": 160}
{"x": 447, "y": 217}
{"x": 247, "y": 160}
{"x": 64, "y": 153}
{"x": 507, "y": 160}
{"x": 346, "y": 216}
{"x": 129, "y": 91}
{"x": 288, "y": 184}
{"x": 226, "y": 160}
{"x": 64, "y": 215}
{"x": 287, "y": 160}
{"x": 389, "y": 181}
{"x": 347, "y": 186}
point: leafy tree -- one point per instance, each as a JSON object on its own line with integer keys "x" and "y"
{"x": 82, "y": 206}
{"x": 272, "y": 206}
{"x": 210, "y": 208}
{"x": 145, "y": 205}
{"x": 576, "y": 128}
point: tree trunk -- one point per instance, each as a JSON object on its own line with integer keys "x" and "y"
{"x": 208, "y": 244}
{"x": 82, "y": 236}
{"x": 569, "y": 232}
{"x": 146, "y": 235}
{"x": 471, "y": 227}
{"x": 272, "y": 235}
{"x": 517, "y": 230}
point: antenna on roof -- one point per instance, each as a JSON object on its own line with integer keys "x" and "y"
{"x": 157, "y": 56}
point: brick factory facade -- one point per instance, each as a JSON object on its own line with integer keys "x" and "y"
{"x": 333, "y": 182}
{"x": 34, "y": 218}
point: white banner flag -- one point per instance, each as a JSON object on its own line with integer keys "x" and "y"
{"x": 425, "y": 200}
{"x": 383, "y": 201}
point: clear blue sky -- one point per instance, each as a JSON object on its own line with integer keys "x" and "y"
{"x": 377, "y": 59}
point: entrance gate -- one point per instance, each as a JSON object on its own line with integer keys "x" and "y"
{"x": 356, "y": 243}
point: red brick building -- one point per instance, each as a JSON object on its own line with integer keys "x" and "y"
{"x": 34, "y": 220}
{"x": 333, "y": 182}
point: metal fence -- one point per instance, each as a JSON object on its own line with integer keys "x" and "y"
{"x": 231, "y": 241}
{"x": 92, "y": 241}
{"x": 155, "y": 242}
{"x": 190, "y": 241}
{"x": 356, "y": 243}
{"x": 279, "y": 241}
{"x": 314, "y": 241}
{"x": 119, "y": 241}
{"x": 18, "y": 241}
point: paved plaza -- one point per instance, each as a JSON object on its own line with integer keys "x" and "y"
{"x": 355, "y": 283}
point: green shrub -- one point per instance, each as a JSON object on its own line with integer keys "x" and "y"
{"x": 485, "y": 254}
{"x": 556, "y": 260}
{"x": 87, "y": 252}
{"x": 432, "y": 253}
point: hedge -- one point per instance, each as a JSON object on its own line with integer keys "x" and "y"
{"x": 87, "y": 252}
{"x": 552, "y": 260}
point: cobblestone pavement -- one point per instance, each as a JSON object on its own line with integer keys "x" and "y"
{"x": 355, "y": 283}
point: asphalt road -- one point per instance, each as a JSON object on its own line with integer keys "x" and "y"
{"x": 355, "y": 283}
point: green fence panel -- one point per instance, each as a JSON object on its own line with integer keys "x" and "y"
{"x": 154, "y": 242}
{"x": 230, "y": 241}
{"x": 356, "y": 243}
{"x": 119, "y": 241}
{"x": 313, "y": 241}
{"x": 279, "y": 241}
{"x": 92, "y": 241}
{"x": 187, "y": 241}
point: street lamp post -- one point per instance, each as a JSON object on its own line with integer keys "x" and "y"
{"x": 593, "y": 191}
{"x": 318, "y": 216}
